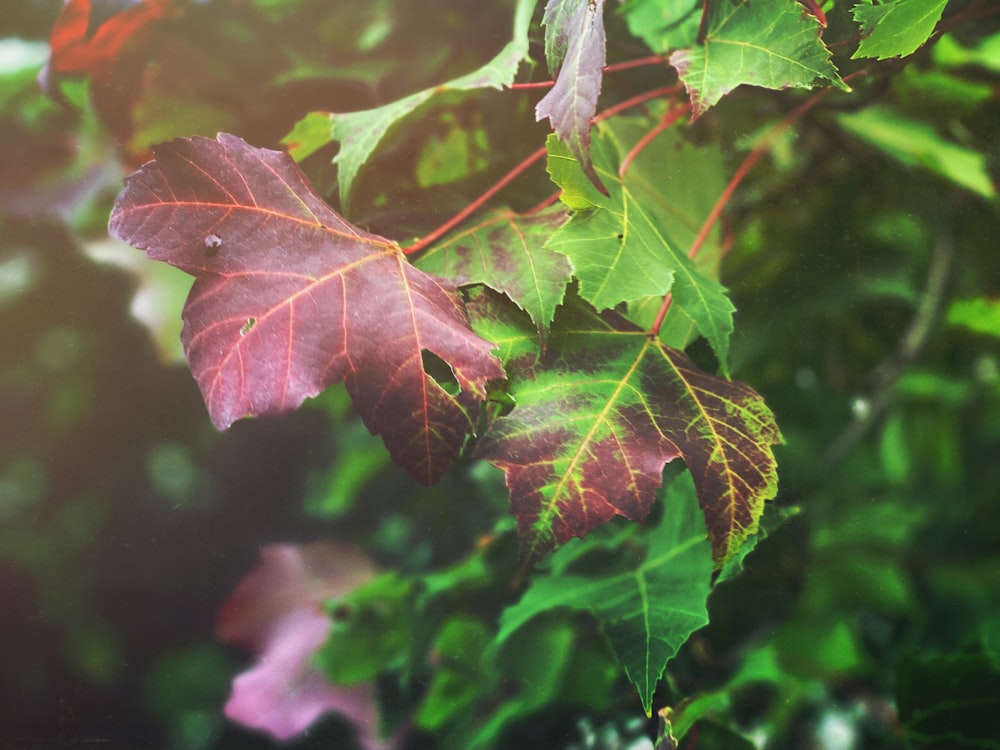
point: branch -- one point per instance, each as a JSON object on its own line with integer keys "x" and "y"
{"x": 639, "y": 62}
{"x": 889, "y": 371}
{"x": 669, "y": 118}
{"x": 427, "y": 240}
{"x": 756, "y": 153}
{"x": 462, "y": 215}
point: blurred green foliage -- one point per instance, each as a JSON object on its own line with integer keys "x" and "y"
{"x": 864, "y": 268}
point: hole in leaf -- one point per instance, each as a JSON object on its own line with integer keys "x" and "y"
{"x": 621, "y": 236}
{"x": 441, "y": 371}
{"x": 212, "y": 242}
{"x": 248, "y": 326}
{"x": 498, "y": 395}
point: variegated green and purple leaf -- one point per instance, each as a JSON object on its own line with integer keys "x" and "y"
{"x": 600, "y": 413}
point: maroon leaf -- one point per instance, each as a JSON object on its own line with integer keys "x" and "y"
{"x": 575, "y": 43}
{"x": 290, "y": 298}
{"x": 277, "y": 612}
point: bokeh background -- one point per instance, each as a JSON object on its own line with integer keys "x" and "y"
{"x": 864, "y": 264}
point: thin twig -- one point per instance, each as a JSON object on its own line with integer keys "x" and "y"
{"x": 462, "y": 215}
{"x": 756, "y": 153}
{"x": 669, "y": 118}
{"x": 635, "y": 101}
{"x": 887, "y": 374}
{"x": 426, "y": 241}
{"x": 542, "y": 205}
{"x": 532, "y": 85}
{"x": 613, "y": 68}
{"x": 636, "y": 63}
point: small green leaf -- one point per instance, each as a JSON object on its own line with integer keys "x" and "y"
{"x": 916, "y": 144}
{"x": 895, "y": 28}
{"x": 371, "y": 631}
{"x": 599, "y": 415}
{"x": 358, "y": 457}
{"x": 980, "y": 315}
{"x": 360, "y": 132}
{"x": 534, "y": 671}
{"x": 950, "y": 53}
{"x": 990, "y": 636}
{"x": 309, "y": 135}
{"x": 649, "y": 612}
{"x": 458, "y": 677}
{"x": 506, "y": 252}
{"x": 458, "y": 152}
{"x": 769, "y": 43}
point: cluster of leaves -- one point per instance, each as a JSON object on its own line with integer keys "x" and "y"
{"x": 547, "y": 341}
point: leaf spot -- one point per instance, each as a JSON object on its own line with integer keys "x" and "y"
{"x": 248, "y": 326}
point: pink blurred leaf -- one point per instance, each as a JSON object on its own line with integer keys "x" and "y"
{"x": 277, "y": 612}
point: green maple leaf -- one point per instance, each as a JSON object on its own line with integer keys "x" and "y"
{"x": 896, "y": 28}
{"x": 646, "y": 631}
{"x": 633, "y": 242}
{"x": 599, "y": 414}
{"x": 360, "y": 132}
{"x": 505, "y": 251}
{"x": 768, "y": 43}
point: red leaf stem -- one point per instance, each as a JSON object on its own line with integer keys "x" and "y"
{"x": 462, "y": 215}
{"x": 532, "y": 85}
{"x": 755, "y": 155}
{"x": 669, "y": 118}
{"x": 613, "y": 68}
{"x": 635, "y": 101}
{"x": 813, "y": 9}
{"x": 639, "y": 62}
{"x": 664, "y": 308}
{"x": 543, "y": 204}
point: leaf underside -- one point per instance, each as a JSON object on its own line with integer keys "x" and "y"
{"x": 290, "y": 298}
{"x": 768, "y": 43}
{"x": 599, "y": 415}
{"x": 575, "y": 47}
